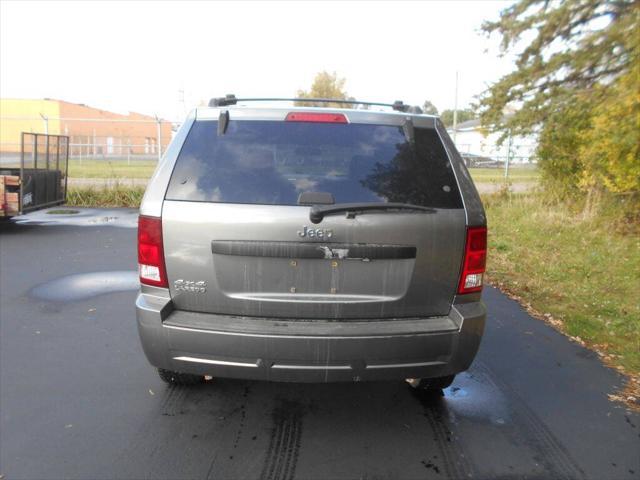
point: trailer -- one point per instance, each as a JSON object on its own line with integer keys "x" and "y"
{"x": 40, "y": 179}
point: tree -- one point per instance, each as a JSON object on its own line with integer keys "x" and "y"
{"x": 610, "y": 148}
{"x": 576, "y": 45}
{"x": 463, "y": 115}
{"x": 429, "y": 108}
{"x": 576, "y": 82}
{"x": 326, "y": 85}
{"x": 558, "y": 144}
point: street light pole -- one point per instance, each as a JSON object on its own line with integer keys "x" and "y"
{"x": 455, "y": 112}
{"x": 46, "y": 123}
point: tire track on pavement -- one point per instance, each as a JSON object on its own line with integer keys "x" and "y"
{"x": 550, "y": 452}
{"x": 453, "y": 462}
{"x": 170, "y": 403}
{"x": 284, "y": 444}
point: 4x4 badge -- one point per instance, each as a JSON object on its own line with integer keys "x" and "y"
{"x": 190, "y": 286}
{"x": 315, "y": 232}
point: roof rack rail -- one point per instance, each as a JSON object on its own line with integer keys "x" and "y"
{"x": 232, "y": 100}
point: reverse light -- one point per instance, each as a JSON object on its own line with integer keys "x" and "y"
{"x": 315, "y": 117}
{"x": 475, "y": 259}
{"x": 151, "y": 252}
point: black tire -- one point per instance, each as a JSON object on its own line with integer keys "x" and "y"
{"x": 177, "y": 378}
{"x": 431, "y": 384}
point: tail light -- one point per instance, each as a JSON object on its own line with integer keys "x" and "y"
{"x": 475, "y": 259}
{"x": 151, "y": 252}
{"x": 316, "y": 117}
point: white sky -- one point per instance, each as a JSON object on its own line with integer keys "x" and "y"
{"x": 138, "y": 56}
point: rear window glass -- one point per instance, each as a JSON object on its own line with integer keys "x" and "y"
{"x": 273, "y": 163}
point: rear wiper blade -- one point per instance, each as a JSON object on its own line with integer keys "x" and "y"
{"x": 317, "y": 212}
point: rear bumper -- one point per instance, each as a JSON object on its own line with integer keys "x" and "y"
{"x": 318, "y": 351}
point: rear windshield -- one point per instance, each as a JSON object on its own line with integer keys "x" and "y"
{"x": 273, "y": 163}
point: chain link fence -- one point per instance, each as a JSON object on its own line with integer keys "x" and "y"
{"x": 127, "y": 151}
{"x": 92, "y": 140}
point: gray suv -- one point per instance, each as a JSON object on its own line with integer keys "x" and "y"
{"x": 311, "y": 244}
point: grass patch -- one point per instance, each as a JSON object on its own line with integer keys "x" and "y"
{"x": 120, "y": 168}
{"x": 116, "y": 196}
{"x": 111, "y": 168}
{"x": 516, "y": 174}
{"x": 582, "y": 269}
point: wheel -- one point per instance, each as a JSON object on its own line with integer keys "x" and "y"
{"x": 177, "y": 378}
{"x": 431, "y": 384}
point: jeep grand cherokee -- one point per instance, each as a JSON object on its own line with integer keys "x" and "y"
{"x": 311, "y": 244}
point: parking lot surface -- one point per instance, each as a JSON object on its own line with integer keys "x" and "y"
{"x": 78, "y": 399}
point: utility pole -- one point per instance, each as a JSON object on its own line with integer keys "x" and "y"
{"x": 455, "y": 112}
{"x": 182, "y": 101}
{"x": 66, "y": 133}
{"x": 159, "y": 138}
{"x": 506, "y": 165}
{"x": 46, "y": 132}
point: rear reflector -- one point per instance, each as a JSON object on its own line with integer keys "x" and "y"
{"x": 475, "y": 259}
{"x": 150, "y": 252}
{"x": 316, "y": 117}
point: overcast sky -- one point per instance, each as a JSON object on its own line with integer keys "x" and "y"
{"x": 139, "y": 56}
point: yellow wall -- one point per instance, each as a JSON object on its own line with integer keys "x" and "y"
{"x": 132, "y": 133}
{"x": 23, "y": 115}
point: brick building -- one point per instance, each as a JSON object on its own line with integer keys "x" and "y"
{"x": 92, "y": 132}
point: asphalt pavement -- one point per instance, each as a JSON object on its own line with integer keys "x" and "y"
{"x": 78, "y": 399}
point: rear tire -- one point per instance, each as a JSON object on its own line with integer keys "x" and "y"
{"x": 431, "y": 384}
{"x": 177, "y": 378}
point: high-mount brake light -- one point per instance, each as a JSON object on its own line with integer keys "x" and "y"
{"x": 316, "y": 117}
{"x": 475, "y": 259}
{"x": 151, "y": 252}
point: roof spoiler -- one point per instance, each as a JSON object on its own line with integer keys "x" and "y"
{"x": 231, "y": 99}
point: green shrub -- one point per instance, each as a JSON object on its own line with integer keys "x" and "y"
{"x": 115, "y": 196}
{"x": 591, "y": 147}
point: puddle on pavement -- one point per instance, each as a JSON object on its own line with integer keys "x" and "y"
{"x": 85, "y": 285}
{"x": 472, "y": 396}
{"x": 127, "y": 218}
